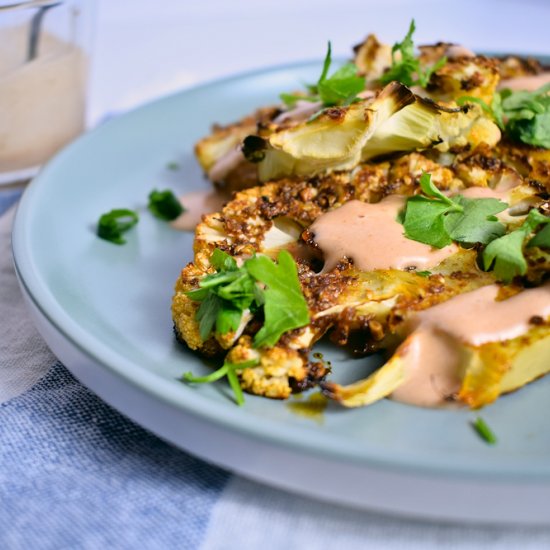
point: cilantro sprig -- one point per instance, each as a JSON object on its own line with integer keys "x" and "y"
{"x": 113, "y": 224}
{"x": 505, "y": 254}
{"x": 258, "y": 284}
{"x": 407, "y": 68}
{"x": 435, "y": 219}
{"x": 226, "y": 370}
{"x": 524, "y": 116}
{"x": 284, "y": 304}
{"x": 341, "y": 88}
{"x": 224, "y": 296}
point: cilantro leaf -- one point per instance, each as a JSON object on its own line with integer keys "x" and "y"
{"x": 533, "y": 130}
{"x": 534, "y": 219}
{"x": 222, "y": 261}
{"x": 407, "y": 68}
{"x": 523, "y": 115}
{"x": 224, "y": 296}
{"x": 113, "y": 224}
{"x": 403, "y": 69}
{"x": 505, "y": 254}
{"x": 326, "y": 66}
{"x": 164, "y": 205}
{"x": 228, "y": 318}
{"x": 542, "y": 238}
{"x": 438, "y": 220}
{"x": 475, "y": 223}
{"x": 341, "y": 88}
{"x": 527, "y": 115}
{"x": 424, "y": 221}
{"x": 430, "y": 189}
{"x": 207, "y": 313}
{"x": 496, "y": 108}
{"x": 290, "y": 99}
{"x": 285, "y": 307}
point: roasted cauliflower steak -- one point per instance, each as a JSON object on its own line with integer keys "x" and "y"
{"x": 363, "y": 310}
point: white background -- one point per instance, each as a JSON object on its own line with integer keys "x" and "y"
{"x": 145, "y": 48}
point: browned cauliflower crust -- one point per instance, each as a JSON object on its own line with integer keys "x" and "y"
{"x": 376, "y": 146}
{"x": 363, "y": 310}
{"x": 465, "y": 76}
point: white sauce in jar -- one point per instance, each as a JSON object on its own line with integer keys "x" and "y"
{"x": 42, "y": 101}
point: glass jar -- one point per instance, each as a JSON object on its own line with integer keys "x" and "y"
{"x": 44, "y": 66}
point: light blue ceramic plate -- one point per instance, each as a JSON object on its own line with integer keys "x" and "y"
{"x": 113, "y": 302}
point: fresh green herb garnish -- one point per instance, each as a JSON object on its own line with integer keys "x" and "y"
{"x": 164, "y": 205}
{"x": 341, "y": 88}
{"x": 224, "y": 296}
{"x": 438, "y": 220}
{"x": 423, "y": 273}
{"x": 290, "y": 99}
{"x": 227, "y": 369}
{"x": 173, "y": 165}
{"x": 407, "y": 68}
{"x": 542, "y": 238}
{"x": 484, "y": 431}
{"x": 113, "y": 224}
{"x": 524, "y": 116}
{"x": 505, "y": 254}
{"x": 285, "y": 307}
{"x": 228, "y": 293}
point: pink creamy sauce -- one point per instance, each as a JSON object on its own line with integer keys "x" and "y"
{"x": 301, "y": 111}
{"x": 529, "y": 83}
{"x": 226, "y": 164}
{"x": 486, "y": 193}
{"x": 433, "y": 351}
{"x": 371, "y": 236}
{"x": 196, "y": 204}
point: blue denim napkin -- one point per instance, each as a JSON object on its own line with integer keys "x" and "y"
{"x": 74, "y": 473}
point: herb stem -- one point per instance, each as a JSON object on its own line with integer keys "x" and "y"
{"x": 216, "y": 375}
{"x": 235, "y": 385}
{"x": 484, "y": 431}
